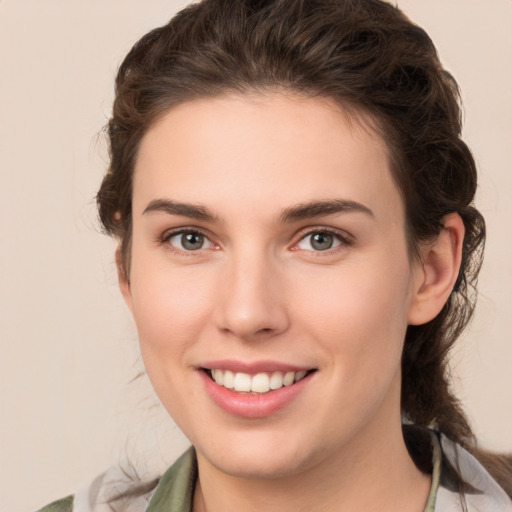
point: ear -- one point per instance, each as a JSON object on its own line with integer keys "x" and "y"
{"x": 123, "y": 279}
{"x": 437, "y": 271}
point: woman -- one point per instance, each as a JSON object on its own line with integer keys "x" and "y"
{"x": 298, "y": 246}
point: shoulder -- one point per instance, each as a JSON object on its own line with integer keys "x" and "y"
{"x": 481, "y": 492}
{"x": 63, "y": 505}
{"x": 115, "y": 486}
{"x": 119, "y": 490}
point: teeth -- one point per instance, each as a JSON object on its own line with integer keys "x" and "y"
{"x": 276, "y": 380}
{"x": 242, "y": 382}
{"x": 289, "y": 378}
{"x": 300, "y": 375}
{"x": 259, "y": 383}
{"x": 218, "y": 376}
{"x": 228, "y": 379}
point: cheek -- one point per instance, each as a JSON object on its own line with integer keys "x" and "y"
{"x": 359, "y": 311}
{"x": 169, "y": 308}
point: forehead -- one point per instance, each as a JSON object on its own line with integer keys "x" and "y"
{"x": 271, "y": 149}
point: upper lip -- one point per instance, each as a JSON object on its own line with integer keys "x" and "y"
{"x": 252, "y": 367}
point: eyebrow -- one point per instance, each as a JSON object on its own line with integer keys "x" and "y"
{"x": 194, "y": 211}
{"x": 288, "y": 215}
{"x": 320, "y": 208}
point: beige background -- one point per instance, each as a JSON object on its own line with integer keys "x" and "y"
{"x": 68, "y": 348}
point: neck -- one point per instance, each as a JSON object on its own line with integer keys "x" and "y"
{"x": 374, "y": 473}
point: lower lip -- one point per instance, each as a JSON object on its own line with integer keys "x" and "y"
{"x": 257, "y": 405}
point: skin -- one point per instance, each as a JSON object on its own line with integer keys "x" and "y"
{"x": 257, "y": 289}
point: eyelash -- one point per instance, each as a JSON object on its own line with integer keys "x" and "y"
{"x": 166, "y": 238}
{"x": 343, "y": 240}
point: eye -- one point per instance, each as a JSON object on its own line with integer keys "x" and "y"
{"x": 189, "y": 241}
{"x": 320, "y": 241}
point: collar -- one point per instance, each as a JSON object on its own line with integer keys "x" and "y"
{"x": 175, "y": 490}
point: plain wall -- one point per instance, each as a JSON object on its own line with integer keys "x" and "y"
{"x": 68, "y": 348}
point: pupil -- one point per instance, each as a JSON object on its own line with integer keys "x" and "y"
{"x": 192, "y": 241}
{"x": 322, "y": 241}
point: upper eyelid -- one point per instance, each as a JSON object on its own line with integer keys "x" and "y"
{"x": 341, "y": 233}
{"x": 169, "y": 233}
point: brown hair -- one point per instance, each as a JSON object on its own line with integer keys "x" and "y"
{"x": 367, "y": 56}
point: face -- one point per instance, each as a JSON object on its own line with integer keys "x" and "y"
{"x": 270, "y": 280}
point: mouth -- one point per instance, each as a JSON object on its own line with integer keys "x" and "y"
{"x": 254, "y": 390}
{"x": 257, "y": 384}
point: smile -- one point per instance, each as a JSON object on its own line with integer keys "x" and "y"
{"x": 259, "y": 383}
{"x": 254, "y": 390}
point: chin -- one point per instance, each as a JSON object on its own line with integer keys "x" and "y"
{"x": 262, "y": 467}
{"x": 257, "y": 458}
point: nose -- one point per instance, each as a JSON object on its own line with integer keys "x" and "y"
{"x": 252, "y": 302}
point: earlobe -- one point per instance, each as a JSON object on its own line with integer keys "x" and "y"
{"x": 123, "y": 280}
{"x": 437, "y": 272}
